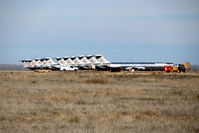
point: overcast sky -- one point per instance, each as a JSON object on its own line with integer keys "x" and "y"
{"x": 121, "y": 30}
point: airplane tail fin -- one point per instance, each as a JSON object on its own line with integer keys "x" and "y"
{"x": 102, "y": 59}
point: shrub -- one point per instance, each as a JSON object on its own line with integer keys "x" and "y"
{"x": 74, "y": 119}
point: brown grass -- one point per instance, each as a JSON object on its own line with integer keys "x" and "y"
{"x": 96, "y": 81}
{"x": 99, "y": 102}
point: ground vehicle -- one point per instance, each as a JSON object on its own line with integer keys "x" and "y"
{"x": 175, "y": 68}
{"x": 68, "y": 68}
{"x": 168, "y": 68}
{"x": 181, "y": 68}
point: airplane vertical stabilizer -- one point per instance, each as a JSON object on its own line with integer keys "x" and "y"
{"x": 102, "y": 59}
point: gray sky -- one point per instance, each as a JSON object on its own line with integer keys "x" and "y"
{"x": 122, "y": 30}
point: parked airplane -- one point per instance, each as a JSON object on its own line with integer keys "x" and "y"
{"x": 65, "y": 63}
{"x": 141, "y": 66}
{"x": 35, "y": 63}
{"x": 101, "y": 59}
{"x": 92, "y": 59}
{"x": 26, "y": 63}
{"x": 61, "y": 61}
{"x": 69, "y": 60}
{"x": 84, "y": 60}
{"x": 98, "y": 62}
{"x": 85, "y": 64}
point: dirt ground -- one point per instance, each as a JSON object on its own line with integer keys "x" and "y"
{"x": 99, "y": 102}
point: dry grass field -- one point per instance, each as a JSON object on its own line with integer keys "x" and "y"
{"x": 99, "y": 102}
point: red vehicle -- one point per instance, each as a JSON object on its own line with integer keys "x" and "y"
{"x": 168, "y": 68}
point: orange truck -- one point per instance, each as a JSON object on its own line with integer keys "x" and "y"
{"x": 177, "y": 68}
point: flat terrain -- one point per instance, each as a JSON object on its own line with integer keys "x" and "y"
{"x": 99, "y": 102}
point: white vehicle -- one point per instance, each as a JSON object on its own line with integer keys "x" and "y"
{"x": 68, "y": 68}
